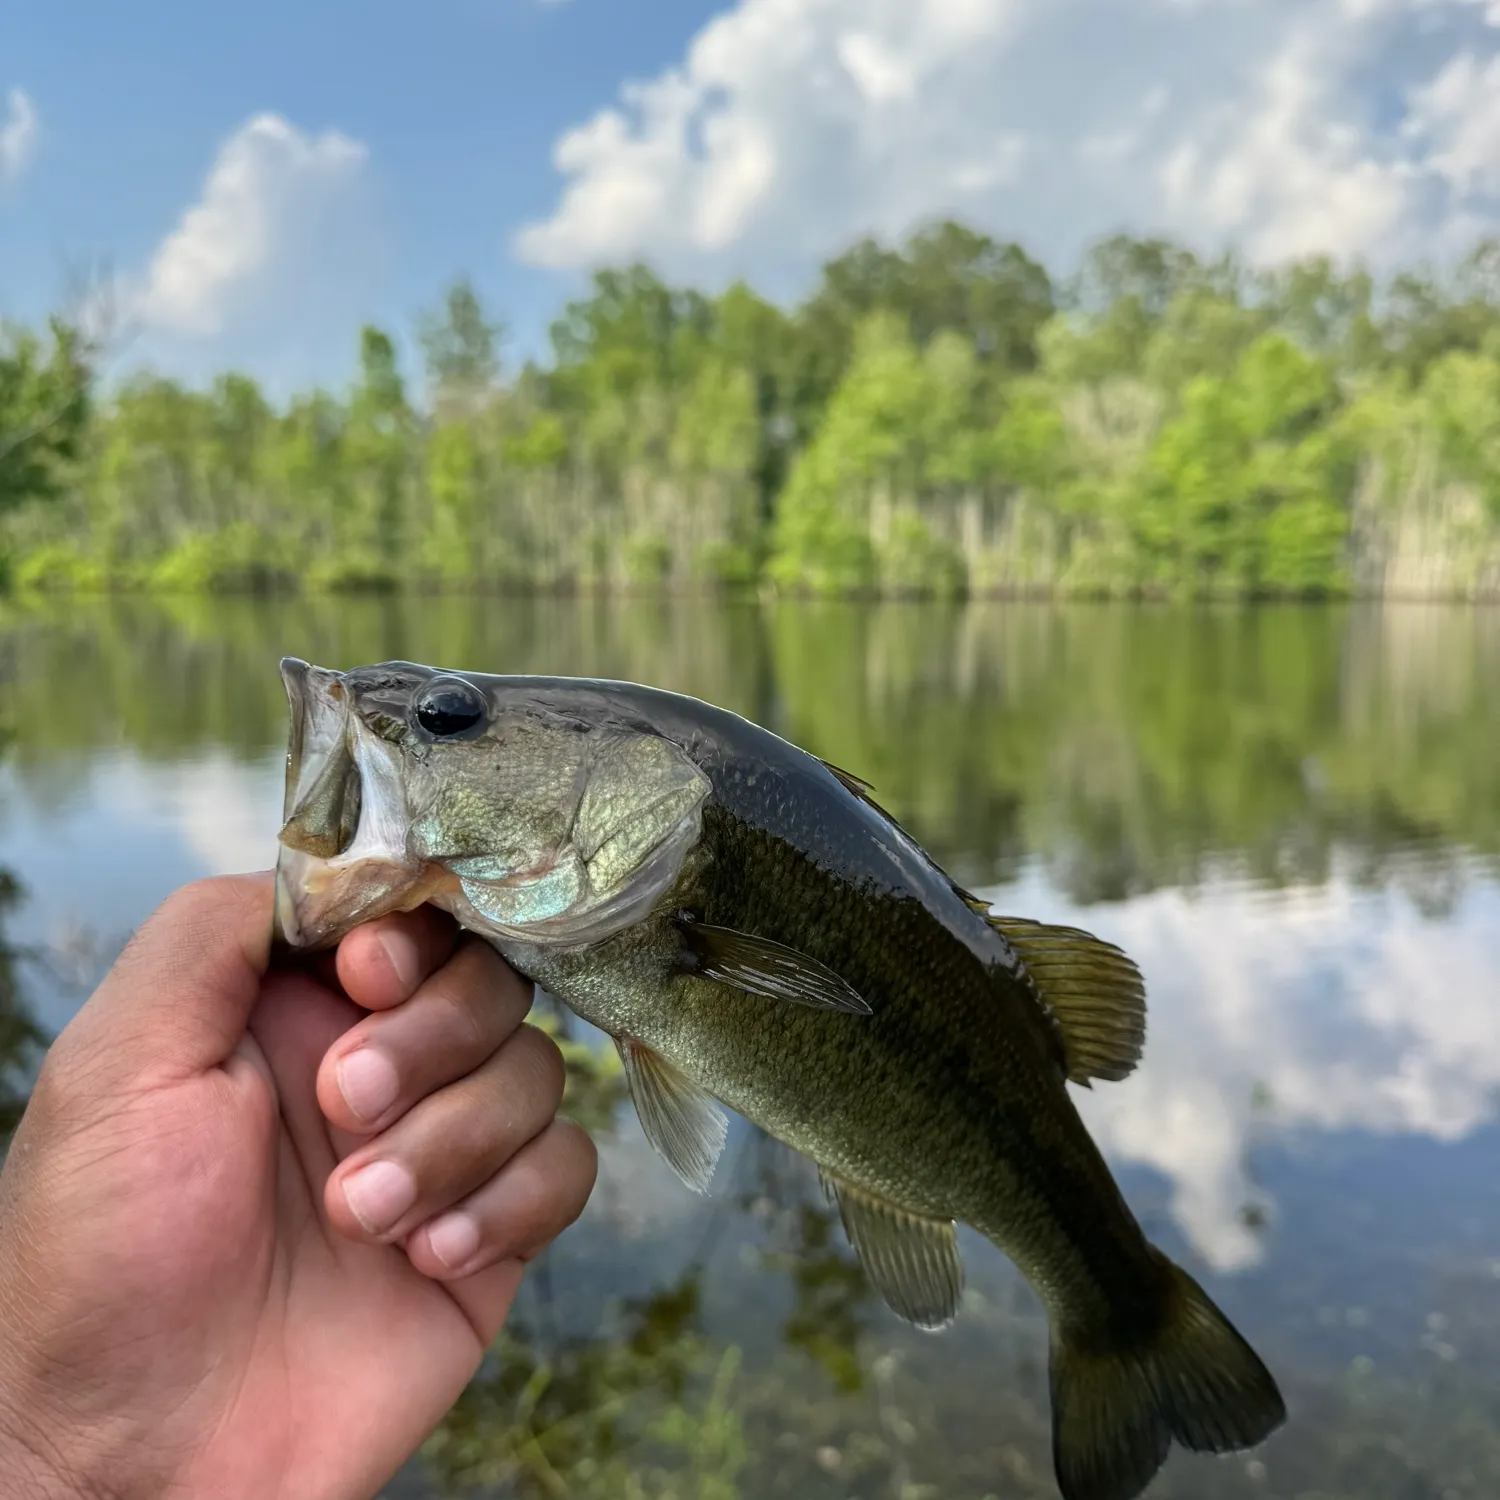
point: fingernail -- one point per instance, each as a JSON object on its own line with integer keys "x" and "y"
{"x": 454, "y": 1239}
{"x": 367, "y": 1080}
{"x": 379, "y": 1194}
{"x": 403, "y": 955}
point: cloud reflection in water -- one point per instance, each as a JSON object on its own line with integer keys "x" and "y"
{"x": 1341, "y": 1008}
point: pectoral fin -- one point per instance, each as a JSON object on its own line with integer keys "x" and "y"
{"x": 1095, "y": 993}
{"x": 681, "y": 1120}
{"x": 761, "y": 967}
{"x": 911, "y": 1261}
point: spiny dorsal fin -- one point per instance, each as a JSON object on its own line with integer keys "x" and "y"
{"x": 912, "y": 1262}
{"x": 861, "y": 789}
{"x": 856, "y": 784}
{"x": 1094, "y": 992}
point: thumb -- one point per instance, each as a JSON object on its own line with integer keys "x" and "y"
{"x": 177, "y": 999}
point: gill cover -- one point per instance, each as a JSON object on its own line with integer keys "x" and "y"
{"x": 636, "y": 814}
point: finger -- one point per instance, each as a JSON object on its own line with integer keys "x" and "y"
{"x": 524, "y": 1207}
{"x": 452, "y": 1141}
{"x": 293, "y": 1025}
{"x": 486, "y": 1296}
{"x": 380, "y": 1069}
{"x": 381, "y": 963}
{"x": 176, "y": 1000}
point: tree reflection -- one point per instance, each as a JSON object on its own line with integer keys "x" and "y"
{"x": 1124, "y": 749}
{"x": 641, "y": 1410}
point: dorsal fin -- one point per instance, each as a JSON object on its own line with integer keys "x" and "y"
{"x": 1094, "y": 992}
{"x": 856, "y": 784}
{"x": 861, "y": 789}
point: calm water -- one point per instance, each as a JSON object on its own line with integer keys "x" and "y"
{"x": 1289, "y": 818}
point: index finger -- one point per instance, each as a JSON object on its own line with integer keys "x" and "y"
{"x": 382, "y": 963}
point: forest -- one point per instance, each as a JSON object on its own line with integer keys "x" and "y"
{"x": 939, "y": 418}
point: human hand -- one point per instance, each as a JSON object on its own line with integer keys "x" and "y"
{"x": 189, "y": 1305}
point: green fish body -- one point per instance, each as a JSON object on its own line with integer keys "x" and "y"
{"x": 753, "y": 930}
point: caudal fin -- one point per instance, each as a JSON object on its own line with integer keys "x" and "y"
{"x": 1115, "y": 1411}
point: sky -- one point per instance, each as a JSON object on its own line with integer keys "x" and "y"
{"x": 253, "y": 182}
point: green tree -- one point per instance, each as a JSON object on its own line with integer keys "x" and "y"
{"x": 44, "y": 406}
{"x": 461, "y": 346}
{"x": 377, "y": 444}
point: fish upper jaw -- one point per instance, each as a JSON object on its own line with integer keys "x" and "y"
{"x": 319, "y": 708}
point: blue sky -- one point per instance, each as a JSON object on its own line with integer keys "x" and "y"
{"x": 456, "y": 102}
{"x": 262, "y": 178}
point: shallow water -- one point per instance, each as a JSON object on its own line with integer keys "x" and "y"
{"x": 1290, "y": 818}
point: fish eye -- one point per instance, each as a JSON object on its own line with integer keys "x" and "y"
{"x": 449, "y": 707}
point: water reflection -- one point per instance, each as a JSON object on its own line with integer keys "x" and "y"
{"x": 1316, "y": 1009}
{"x": 1289, "y": 817}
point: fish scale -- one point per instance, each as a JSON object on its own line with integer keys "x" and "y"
{"x": 754, "y": 931}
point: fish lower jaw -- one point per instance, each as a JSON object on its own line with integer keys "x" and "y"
{"x": 319, "y": 901}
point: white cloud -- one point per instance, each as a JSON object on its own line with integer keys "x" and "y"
{"x": 1288, "y": 126}
{"x": 270, "y": 191}
{"x": 18, "y": 135}
{"x": 1457, "y": 116}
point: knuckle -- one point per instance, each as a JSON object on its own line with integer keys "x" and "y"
{"x": 50, "y": 1092}
{"x": 465, "y": 1017}
{"x": 580, "y": 1161}
{"x": 198, "y": 902}
{"x": 71, "y": 1091}
{"x": 492, "y": 975}
{"x": 562, "y": 1177}
{"x": 190, "y": 917}
{"x": 543, "y": 1060}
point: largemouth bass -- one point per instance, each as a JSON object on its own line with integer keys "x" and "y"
{"x": 753, "y": 930}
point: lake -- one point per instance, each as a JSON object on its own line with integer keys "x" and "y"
{"x": 1289, "y": 817}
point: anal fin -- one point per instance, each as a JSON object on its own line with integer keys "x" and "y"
{"x": 683, "y": 1122}
{"x": 912, "y": 1261}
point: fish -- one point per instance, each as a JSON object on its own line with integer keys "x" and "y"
{"x": 757, "y": 934}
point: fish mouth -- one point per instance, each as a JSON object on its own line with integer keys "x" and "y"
{"x": 343, "y": 854}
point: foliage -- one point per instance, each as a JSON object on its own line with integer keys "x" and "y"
{"x": 938, "y": 418}
{"x": 44, "y": 390}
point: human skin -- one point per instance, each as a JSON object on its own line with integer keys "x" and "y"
{"x": 189, "y": 1305}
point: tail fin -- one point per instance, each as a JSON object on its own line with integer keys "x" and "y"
{"x": 1116, "y": 1410}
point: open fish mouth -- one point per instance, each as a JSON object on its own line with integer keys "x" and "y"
{"x": 343, "y": 855}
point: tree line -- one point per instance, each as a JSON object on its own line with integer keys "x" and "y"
{"x": 942, "y": 417}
